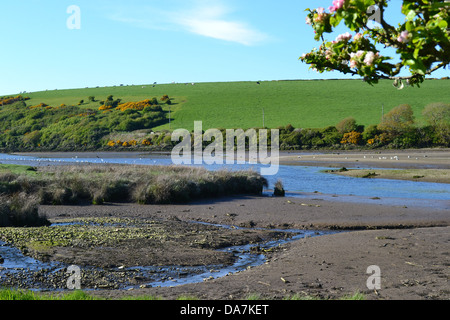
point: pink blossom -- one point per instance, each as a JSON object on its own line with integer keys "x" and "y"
{"x": 403, "y": 37}
{"x": 344, "y": 37}
{"x": 354, "y": 58}
{"x": 308, "y": 20}
{"x": 368, "y": 59}
{"x": 358, "y": 36}
{"x": 337, "y": 4}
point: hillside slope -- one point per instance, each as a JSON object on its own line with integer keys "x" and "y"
{"x": 304, "y": 104}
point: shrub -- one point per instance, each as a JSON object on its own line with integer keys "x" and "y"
{"x": 20, "y": 210}
{"x": 370, "y": 132}
{"x": 351, "y": 138}
{"x": 398, "y": 120}
{"x": 40, "y": 105}
{"x": 347, "y": 125}
{"x": 438, "y": 117}
{"x": 279, "y": 189}
{"x": 10, "y": 100}
{"x": 289, "y": 128}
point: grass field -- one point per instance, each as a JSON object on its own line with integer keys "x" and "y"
{"x": 304, "y": 104}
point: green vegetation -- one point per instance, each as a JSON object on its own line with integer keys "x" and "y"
{"x": 68, "y": 127}
{"x": 311, "y": 114}
{"x": 12, "y": 294}
{"x": 97, "y": 184}
{"x": 17, "y": 169}
{"x": 83, "y": 233}
{"x": 421, "y": 42}
{"x": 19, "y": 210}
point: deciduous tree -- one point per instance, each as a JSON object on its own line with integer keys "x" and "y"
{"x": 421, "y": 41}
{"x": 398, "y": 120}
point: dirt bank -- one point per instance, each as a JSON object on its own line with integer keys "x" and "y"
{"x": 423, "y": 175}
{"x": 406, "y": 159}
{"x": 410, "y": 245}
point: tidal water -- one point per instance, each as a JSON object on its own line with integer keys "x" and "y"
{"x": 298, "y": 181}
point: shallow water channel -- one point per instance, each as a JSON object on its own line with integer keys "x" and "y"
{"x": 29, "y": 273}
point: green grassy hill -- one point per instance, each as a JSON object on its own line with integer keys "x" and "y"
{"x": 67, "y": 120}
{"x": 304, "y": 104}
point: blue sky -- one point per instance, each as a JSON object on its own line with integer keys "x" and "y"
{"x": 141, "y": 42}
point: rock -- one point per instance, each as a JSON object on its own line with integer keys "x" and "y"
{"x": 284, "y": 280}
{"x": 1, "y": 260}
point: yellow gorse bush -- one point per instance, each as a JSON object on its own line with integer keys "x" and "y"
{"x": 10, "y": 100}
{"x": 126, "y": 144}
{"x": 140, "y": 105}
{"x": 351, "y": 138}
{"x": 40, "y": 105}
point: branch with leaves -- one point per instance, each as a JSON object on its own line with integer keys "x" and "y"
{"x": 422, "y": 41}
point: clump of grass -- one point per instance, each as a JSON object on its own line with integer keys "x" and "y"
{"x": 187, "y": 298}
{"x": 297, "y": 296}
{"x": 279, "y": 189}
{"x": 369, "y": 175}
{"x": 141, "y": 184}
{"x": 19, "y": 210}
{"x": 355, "y": 296}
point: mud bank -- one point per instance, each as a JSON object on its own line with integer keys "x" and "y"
{"x": 410, "y": 245}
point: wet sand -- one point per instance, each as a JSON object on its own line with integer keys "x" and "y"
{"x": 406, "y": 159}
{"x": 410, "y": 245}
{"x": 423, "y": 175}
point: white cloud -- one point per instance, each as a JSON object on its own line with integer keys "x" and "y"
{"x": 233, "y": 31}
{"x": 204, "y": 18}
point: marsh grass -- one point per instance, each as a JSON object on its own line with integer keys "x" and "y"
{"x": 279, "y": 189}
{"x": 20, "y": 210}
{"x": 97, "y": 184}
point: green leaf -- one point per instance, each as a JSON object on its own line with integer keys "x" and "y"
{"x": 411, "y": 15}
{"x": 443, "y": 24}
{"x": 335, "y": 20}
{"x": 410, "y": 62}
{"x": 409, "y": 26}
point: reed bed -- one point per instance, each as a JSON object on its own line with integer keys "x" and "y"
{"x": 97, "y": 184}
